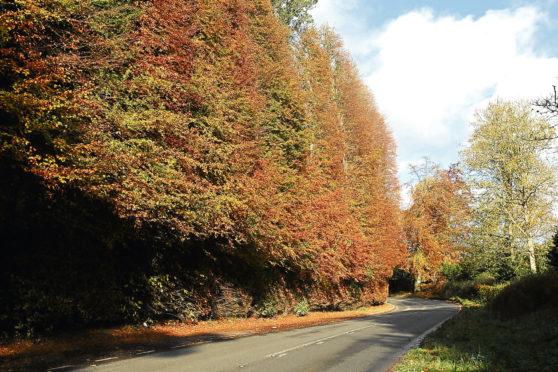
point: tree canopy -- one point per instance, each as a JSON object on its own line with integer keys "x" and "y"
{"x": 513, "y": 178}
{"x": 437, "y": 220}
{"x": 294, "y": 13}
{"x": 226, "y": 155}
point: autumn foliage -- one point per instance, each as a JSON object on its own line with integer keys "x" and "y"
{"x": 220, "y": 151}
{"x": 437, "y": 222}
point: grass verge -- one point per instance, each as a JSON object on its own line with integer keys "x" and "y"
{"x": 492, "y": 337}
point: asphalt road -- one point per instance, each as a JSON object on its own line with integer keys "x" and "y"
{"x": 366, "y": 344}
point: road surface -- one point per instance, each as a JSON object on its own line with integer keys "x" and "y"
{"x": 365, "y": 344}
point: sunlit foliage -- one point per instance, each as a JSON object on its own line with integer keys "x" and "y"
{"x": 234, "y": 152}
{"x": 437, "y": 221}
{"x": 513, "y": 175}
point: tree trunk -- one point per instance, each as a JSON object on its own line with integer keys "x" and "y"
{"x": 532, "y": 261}
{"x": 418, "y": 280}
{"x": 513, "y": 261}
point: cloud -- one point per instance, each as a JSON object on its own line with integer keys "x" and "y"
{"x": 336, "y": 13}
{"x": 349, "y": 18}
{"x": 429, "y": 73}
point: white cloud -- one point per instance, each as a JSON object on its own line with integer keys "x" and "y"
{"x": 336, "y": 13}
{"x": 429, "y": 73}
{"x": 347, "y": 17}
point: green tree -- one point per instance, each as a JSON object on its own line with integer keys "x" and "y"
{"x": 513, "y": 181}
{"x": 294, "y": 13}
{"x": 553, "y": 252}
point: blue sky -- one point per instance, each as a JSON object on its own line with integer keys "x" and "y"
{"x": 432, "y": 64}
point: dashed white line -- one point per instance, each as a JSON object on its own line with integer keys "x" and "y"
{"x": 316, "y": 341}
{"x": 146, "y": 352}
{"x": 105, "y": 359}
{"x": 61, "y": 367}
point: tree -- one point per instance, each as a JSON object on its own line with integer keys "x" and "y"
{"x": 553, "y": 252}
{"x": 549, "y": 105}
{"x": 513, "y": 180}
{"x": 349, "y": 220}
{"x": 213, "y": 150}
{"x": 294, "y": 13}
{"x": 548, "y": 108}
{"x": 436, "y": 222}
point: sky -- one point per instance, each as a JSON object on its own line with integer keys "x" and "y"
{"x": 432, "y": 64}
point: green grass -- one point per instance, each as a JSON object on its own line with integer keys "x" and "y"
{"x": 479, "y": 340}
{"x": 493, "y": 338}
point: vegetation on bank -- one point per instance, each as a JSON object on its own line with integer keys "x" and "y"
{"x": 511, "y": 327}
{"x": 187, "y": 160}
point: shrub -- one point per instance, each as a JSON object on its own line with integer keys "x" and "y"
{"x": 485, "y": 278}
{"x": 483, "y": 288}
{"x": 529, "y": 294}
{"x": 302, "y": 308}
{"x": 487, "y": 293}
{"x": 464, "y": 289}
{"x": 472, "y": 290}
{"x": 268, "y": 309}
{"x": 169, "y": 298}
{"x": 553, "y": 253}
{"x": 451, "y": 271}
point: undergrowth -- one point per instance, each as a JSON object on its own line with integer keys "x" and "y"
{"x": 302, "y": 308}
{"x": 500, "y": 328}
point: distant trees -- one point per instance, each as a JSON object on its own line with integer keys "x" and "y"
{"x": 513, "y": 181}
{"x": 497, "y": 216}
{"x": 436, "y": 221}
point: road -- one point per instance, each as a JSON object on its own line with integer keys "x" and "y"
{"x": 365, "y": 344}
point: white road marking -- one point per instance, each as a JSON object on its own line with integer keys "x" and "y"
{"x": 316, "y": 341}
{"x": 105, "y": 359}
{"x": 61, "y": 367}
{"x": 146, "y": 352}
